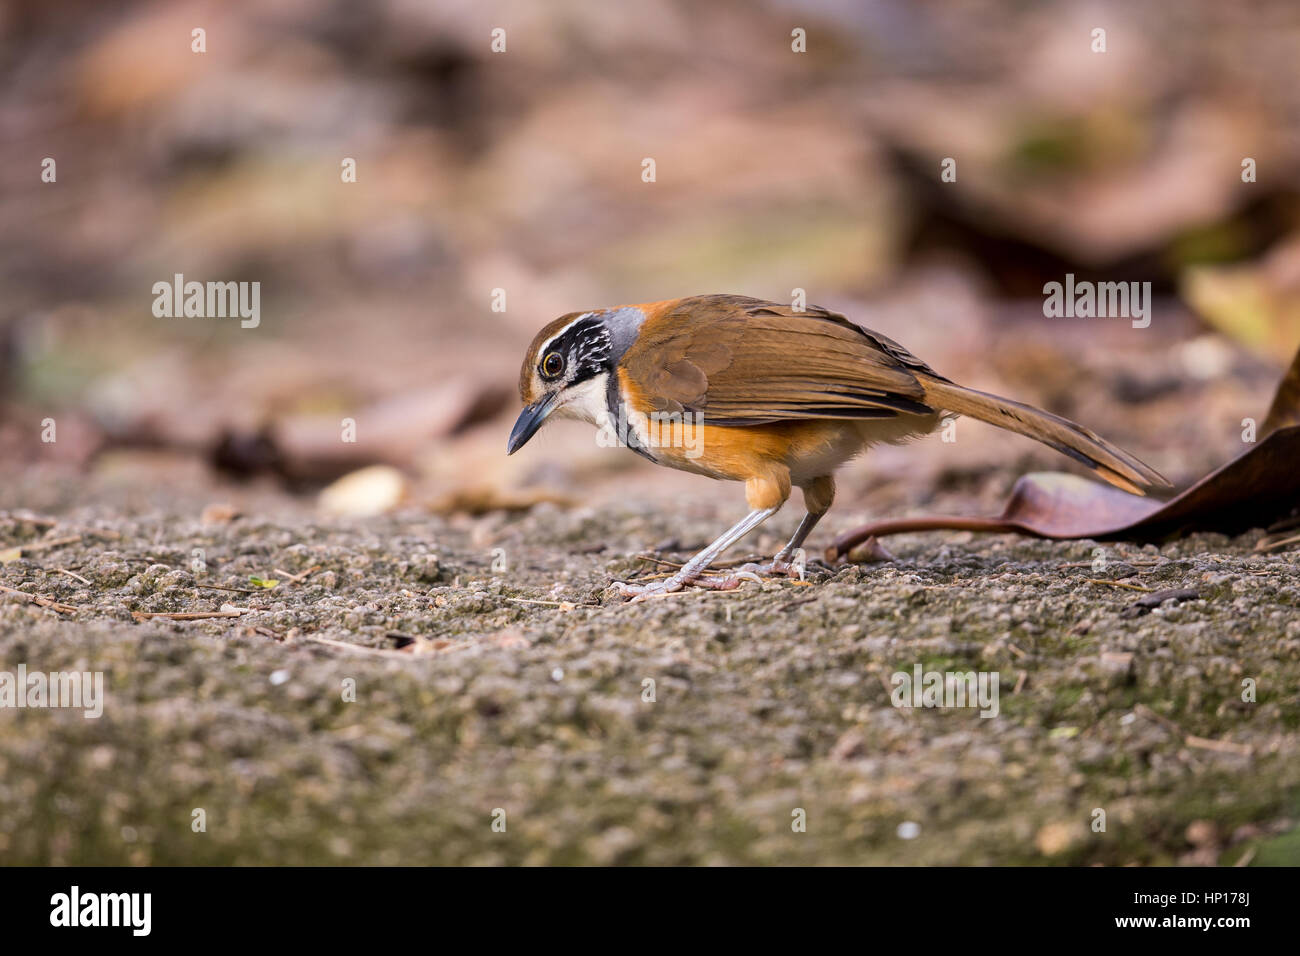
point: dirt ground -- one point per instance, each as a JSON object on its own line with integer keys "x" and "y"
{"x": 496, "y": 680}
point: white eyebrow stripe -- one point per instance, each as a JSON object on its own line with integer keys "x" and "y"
{"x": 549, "y": 342}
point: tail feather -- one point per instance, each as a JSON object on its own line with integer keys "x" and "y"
{"x": 1111, "y": 463}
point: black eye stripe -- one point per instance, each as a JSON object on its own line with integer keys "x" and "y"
{"x": 582, "y": 350}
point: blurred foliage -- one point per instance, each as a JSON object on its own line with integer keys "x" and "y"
{"x": 521, "y": 171}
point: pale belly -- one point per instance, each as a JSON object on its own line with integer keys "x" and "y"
{"x": 808, "y": 449}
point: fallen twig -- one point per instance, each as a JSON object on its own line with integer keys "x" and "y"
{"x": 1118, "y": 584}
{"x": 658, "y": 560}
{"x": 26, "y": 517}
{"x": 656, "y": 576}
{"x": 1191, "y": 740}
{"x": 1141, "y": 565}
{"x": 1267, "y": 544}
{"x": 295, "y": 578}
{"x": 226, "y": 611}
{"x": 42, "y": 600}
{"x": 1220, "y": 746}
{"x": 18, "y": 550}
{"x": 562, "y": 605}
{"x": 360, "y": 649}
{"x": 71, "y": 575}
{"x": 51, "y": 543}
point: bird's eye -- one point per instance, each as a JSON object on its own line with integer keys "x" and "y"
{"x": 552, "y": 365}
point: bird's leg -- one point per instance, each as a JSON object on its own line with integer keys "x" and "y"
{"x": 780, "y": 564}
{"x": 796, "y": 542}
{"x": 818, "y": 495}
{"x": 690, "y": 572}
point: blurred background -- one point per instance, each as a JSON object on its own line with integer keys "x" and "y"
{"x": 486, "y": 177}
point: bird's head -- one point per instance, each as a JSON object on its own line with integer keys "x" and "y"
{"x": 565, "y": 373}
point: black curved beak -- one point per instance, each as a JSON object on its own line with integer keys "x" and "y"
{"x": 530, "y": 419}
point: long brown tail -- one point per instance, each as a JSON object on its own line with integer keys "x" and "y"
{"x": 1113, "y": 464}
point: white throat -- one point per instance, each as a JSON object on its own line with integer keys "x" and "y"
{"x": 586, "y": 402}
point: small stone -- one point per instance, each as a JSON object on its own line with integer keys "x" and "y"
{"x": 909, "y": 830}
{"x": 369, "y": 491}
{"x": 1055, "y": 838}
{"x": 1202, "y": 833}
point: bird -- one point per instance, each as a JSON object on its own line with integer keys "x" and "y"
{"x": 768, "y": 394}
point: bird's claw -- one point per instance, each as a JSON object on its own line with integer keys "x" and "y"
{"x": 643, "y": 592}
{"x": 714, "y": 582}
{"x": 772, "y": 568}
{"x": 727, "y": 582}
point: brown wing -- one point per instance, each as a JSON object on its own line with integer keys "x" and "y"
{"x": 744, "y": 361}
